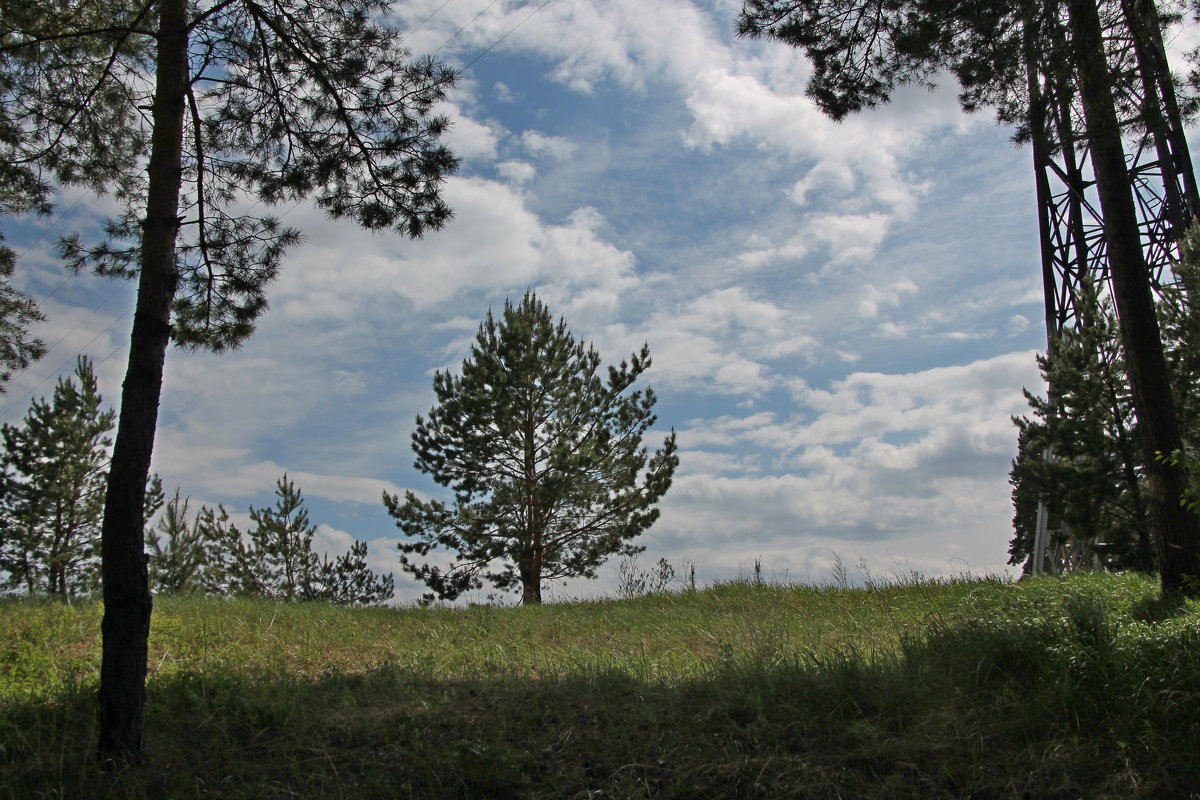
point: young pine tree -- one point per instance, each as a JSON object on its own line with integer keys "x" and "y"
{"x": 275, "y": 558}
{"x": 1095, "y": 473}
{"x": 176, "y": 551}
{"x": 52, "y": 489}
{"x": 544, "y": 456}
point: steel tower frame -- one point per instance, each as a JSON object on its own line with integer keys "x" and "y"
{"x": 1070, "y": 222}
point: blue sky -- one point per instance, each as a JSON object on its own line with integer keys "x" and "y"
{"x": 841, "y": 316}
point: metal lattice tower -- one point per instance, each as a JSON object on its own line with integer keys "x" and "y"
{"x": 1160, "y": 171}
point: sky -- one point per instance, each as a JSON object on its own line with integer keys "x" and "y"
{"x": 842, "y": 316}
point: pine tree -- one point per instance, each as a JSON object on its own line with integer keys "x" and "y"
{"x": 45, "y": 137}
{"x": 544, "y": 458}
{"x": 281, "y": 545}
{"x": 1094, "y": 424}
{"x": 1095, "y": 473}
{"x": 53, "y": 476}
{"x": 177, "y": 556}
{"x": 187, "y": 108}
{"x": 18, "y": 314}
{"x": 274, "y": 558}
{"x": 347, "y": 580}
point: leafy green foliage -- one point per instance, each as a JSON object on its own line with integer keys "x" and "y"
{"x": 175, "y": 550}
{"x": 58, "y": 115}
{"x": 18, "y": 348}
{"x": 862, "y": 52}
{"x": 68, "y": 110}
{"x": 544, "y": 457}
{"x": 52, "y": 489}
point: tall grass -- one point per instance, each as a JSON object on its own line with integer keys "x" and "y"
{"x": 1085, "y": 687}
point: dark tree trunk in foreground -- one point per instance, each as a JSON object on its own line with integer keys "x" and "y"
{"x": 127, "y": 602}
{"x": 1176, "y": 530}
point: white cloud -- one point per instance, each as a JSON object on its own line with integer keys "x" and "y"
{"x": 835, "y": 178}
{"x": 539, "y": 144}
{"x": 904, "y": 462}
{"x": 722, "y": 341}
{"x": 329, "y": 541}
{"x": 873, "y": 298}
{"x": 470, "y": 139}
{"x": 1018, "y": 323}
{"x": 517, "y": 172}
{"x": 850, "y": 238}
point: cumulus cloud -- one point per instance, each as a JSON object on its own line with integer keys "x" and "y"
{"x": 722, "y": 341}
{"x": 876, "y": 459}
{"x": 517, "y": 172}
{"x": 738, "y": 295}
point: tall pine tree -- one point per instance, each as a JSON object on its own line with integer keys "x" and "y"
{"x": 544, "y": 456}
{"x": 1095, "y": 471}
{"x": 52, "y": 489}
{"x": 862, "y": 51}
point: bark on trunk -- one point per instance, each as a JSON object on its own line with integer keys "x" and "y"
{"x": 1176, "y": 530}
{"x": 127, "y": 602}
{"x": 531, "y": 581}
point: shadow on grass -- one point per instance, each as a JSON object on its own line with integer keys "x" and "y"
{"x": 1159, "y": 607}
{"x": 1070, "y": 707}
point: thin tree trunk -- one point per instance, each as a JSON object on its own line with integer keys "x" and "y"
{"x": 127, "y": 602}
{"x": 1175, "y": 529}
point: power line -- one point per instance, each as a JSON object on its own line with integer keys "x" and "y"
{"x": 58, "y": 221}
{"x": 431, "y": 16}
{"x": 91, "y": 314}
{"x": 505, "y": 36}
{"x": 464, "y": 27}
{"x": 28, "y": 395}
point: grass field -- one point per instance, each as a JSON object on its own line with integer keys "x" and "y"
{"x": 1087, "y": 687}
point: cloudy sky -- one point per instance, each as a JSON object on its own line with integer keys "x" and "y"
{"x": 841, "y": 316}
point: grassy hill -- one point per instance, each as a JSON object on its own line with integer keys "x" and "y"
{"x": 1082, "y": 687}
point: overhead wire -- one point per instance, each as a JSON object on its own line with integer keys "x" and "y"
{"x": 431, "y": 16}
{"x": 66, "y": 363}
{"x": 57, "y": 222}
{"x": 464, "y": 27}
{"x": 505, "y": 36}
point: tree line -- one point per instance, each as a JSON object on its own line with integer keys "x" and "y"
{"x": 53, "y": 474}
{"x": 542, "y": 451}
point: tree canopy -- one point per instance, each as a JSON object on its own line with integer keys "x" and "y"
{"x": 545, "y": 458}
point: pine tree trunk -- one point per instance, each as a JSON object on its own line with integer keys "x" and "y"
{"x": 1175, "y": 529}
{"x": 531, "y": 581}
{"x": 127, "y": 602}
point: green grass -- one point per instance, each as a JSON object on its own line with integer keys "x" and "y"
{"x": 1084, "y": 687}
